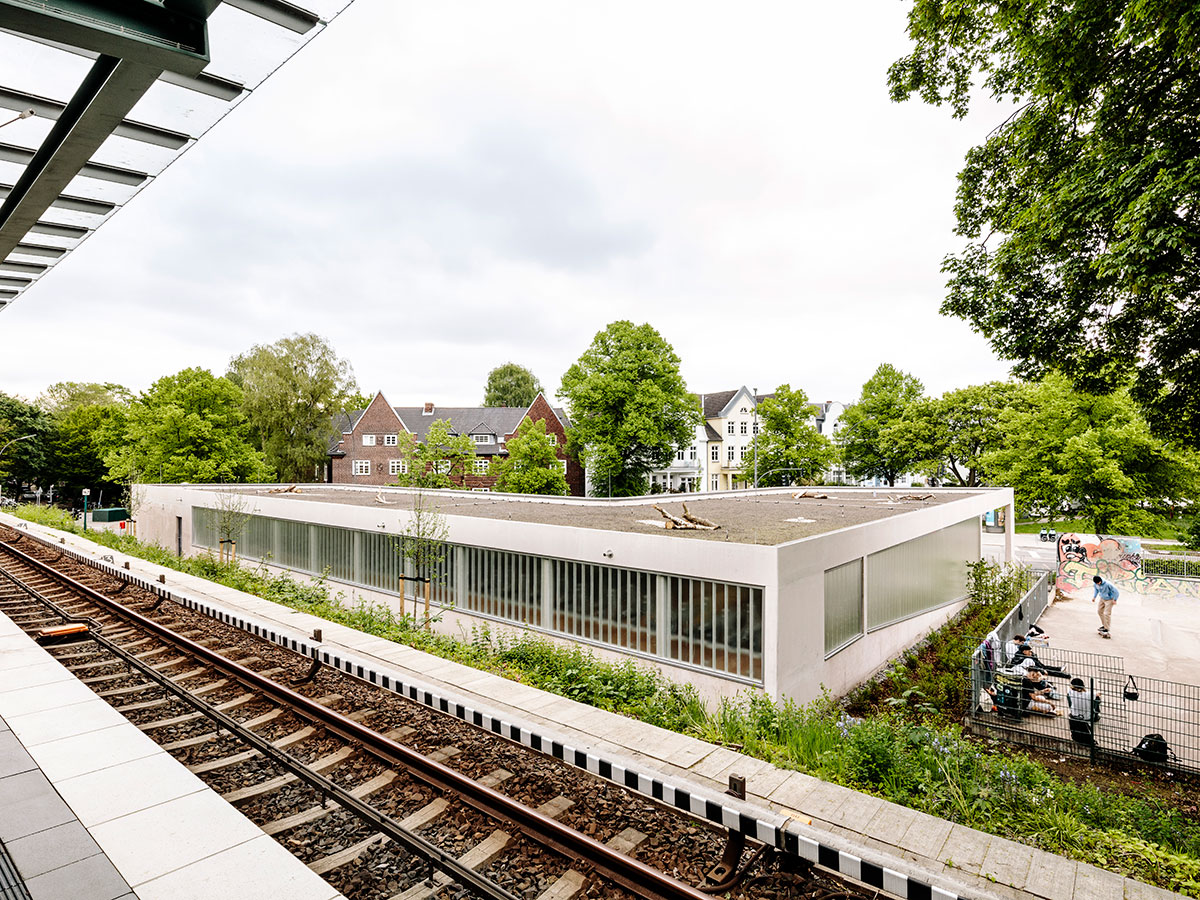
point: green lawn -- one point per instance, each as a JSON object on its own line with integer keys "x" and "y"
{"x": 1164, "y": 529}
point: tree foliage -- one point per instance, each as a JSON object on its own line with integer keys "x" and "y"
{"x": 948, "y": 435}
{"x": 1093, "y": 451}
{"x": 76, "y": 457}
{"x": 629, "y": 408}
{"x": 25, "y": 441}
{"x": 788, "y": 447}
{"x": 290, "y": 392}
{"x": 65, "y": 396}
{"x": 440, "y": 461}
{"x": 186, "y": 427}
{"x": 511, "y": 385}
{"x": 871, "y": 445}
{"x": 532, "y": 465}
{"x": 1082, "y": 208}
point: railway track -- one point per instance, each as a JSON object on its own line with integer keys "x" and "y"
{"x": 385, "y": 798}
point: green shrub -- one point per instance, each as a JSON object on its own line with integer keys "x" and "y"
{"x": 51, "y": 516}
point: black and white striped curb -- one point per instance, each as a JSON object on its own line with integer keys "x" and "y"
{"x": 757, "y": 824}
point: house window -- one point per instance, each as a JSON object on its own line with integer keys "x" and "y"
{"x": 741, "y": 453}
{"x": 368, "y": 440}
{"x": 679, "y": 455}
{"x": 553, "y": 439}
{"x": 691, "y": 453}
{"x": 442, "y": 467}
{"x": 716, "y": 455}
{"x": 390, "y": 440}
{"x": 755, "y": 428}
{"x": 362, "y": 467}
{"x": 562, "y": 464}
{"x": 729, "y": 428}
{"x": 482, "y": 438}
{"x": 397, "y": 467}
{"x": 731, "y": 454}
{"x": 716, "y": 483}
{"x": 481, "y": 466}
{"x": 743, "y": 428}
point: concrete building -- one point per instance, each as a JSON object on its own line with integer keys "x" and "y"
{"x": 792, "y": 593}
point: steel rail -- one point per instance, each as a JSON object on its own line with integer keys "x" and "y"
{"x": 411, "y": 841}
{"x": 637, "y": 877}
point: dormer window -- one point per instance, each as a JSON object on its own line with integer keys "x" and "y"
{"x": 482, "y": 438}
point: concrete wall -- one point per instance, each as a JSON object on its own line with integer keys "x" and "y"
{"x": 800, "y": 621}
{"x": 791, "y": 575}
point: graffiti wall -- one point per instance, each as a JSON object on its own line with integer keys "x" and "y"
{"x": 1082, "y": 556}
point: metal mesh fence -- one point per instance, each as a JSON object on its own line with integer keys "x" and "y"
{"x": 1085, "y": 704}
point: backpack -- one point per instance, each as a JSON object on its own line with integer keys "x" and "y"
{"x": 1153, "y": 748}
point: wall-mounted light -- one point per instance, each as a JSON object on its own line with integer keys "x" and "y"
{"x": 23, "y": 114}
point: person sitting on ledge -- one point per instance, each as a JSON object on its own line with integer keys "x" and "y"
{"x": 1084, "y": 708}
{"x": 1035, "y": 694}
{"x": 1027, "y": 659}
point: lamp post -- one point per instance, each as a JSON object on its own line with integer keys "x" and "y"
{"x": 755, "y": 438}
{"x": 86, "y": 493}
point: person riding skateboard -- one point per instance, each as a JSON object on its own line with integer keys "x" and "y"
{"x": 1107, "y": 593}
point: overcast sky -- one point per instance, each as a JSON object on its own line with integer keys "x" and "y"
{"x": 440, "y": 188}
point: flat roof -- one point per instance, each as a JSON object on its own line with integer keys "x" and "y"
{"x": 766, "y": 517}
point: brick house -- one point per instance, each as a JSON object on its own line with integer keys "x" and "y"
{"x": 368, "y": 448}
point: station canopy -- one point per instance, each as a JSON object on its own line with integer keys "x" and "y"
{"x": 98, "y": 97}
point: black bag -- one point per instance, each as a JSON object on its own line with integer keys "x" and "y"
{"x": 1095, "y": 709}
{"x": 1131, "y": 689}
{"x": 1153, "y": 748}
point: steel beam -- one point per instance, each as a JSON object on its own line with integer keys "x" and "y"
{"x": 75, "y": 204}
{"x": 137, "y": 30}
{"x": 107, "y": 93}
{"x": 45, "y": 108}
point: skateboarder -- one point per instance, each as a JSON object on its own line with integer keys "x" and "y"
{"x": 1107, "y": 593}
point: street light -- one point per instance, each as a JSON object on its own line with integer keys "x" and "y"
{"x": 23, "y": 114}
{"x": 755, "y": 438}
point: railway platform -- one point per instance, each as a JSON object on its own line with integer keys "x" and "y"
{"x": 905, "y": 852}
{"x": 93, "y": 809}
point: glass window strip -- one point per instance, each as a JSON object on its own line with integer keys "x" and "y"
{"x": 713, "y": 625}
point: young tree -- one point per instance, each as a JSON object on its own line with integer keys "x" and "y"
{"x": 423, "y": 545}
{"x": 440, "y": 461}
{"x": 1094, "y": 451}
{"x": 1082, "y": 208}
{"x": 290, "y": 392}
{"x": 948, "y": 435}
{"x": 511, "y": 385}
{"x": 629, "y": 406}
{"x": 232, "y": 515}
{"x": 787, "y": 446}
{"x": 532, "y": 466}
{"x": 188, "y": 427}
{"x": 869, "y": 450}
